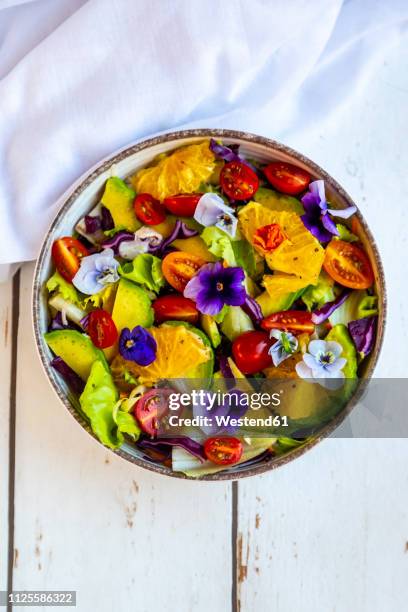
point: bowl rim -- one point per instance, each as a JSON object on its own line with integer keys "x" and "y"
{"x": 68, "y": 200}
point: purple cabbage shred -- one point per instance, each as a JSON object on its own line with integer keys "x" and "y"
{"x": 363, "y": 332}
{"x": 72, "y": 379}
{"x": 323, "y": 313}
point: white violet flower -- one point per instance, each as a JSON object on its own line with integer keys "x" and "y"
{"x": 323, "y": 364}
{"x": 212, "y": 210}
{"x": 285, "y": 346}
{"x": 96, "y": 271}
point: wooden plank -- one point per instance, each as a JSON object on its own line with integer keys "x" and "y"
{"x": 8, "y": 329}
{"x": 329, "y": 531}
{"x": 86, "y": 520}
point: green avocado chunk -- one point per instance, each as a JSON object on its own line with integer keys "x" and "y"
{"x": 270, "y": 305}
{"x": 132, "y": 306}
{"x": 210, "y": 327}
{"x": 339, "y": 333}
{"x": 118, "y": 199}
{"x": 278, "y": 201}
{"x": 76, "y": 349}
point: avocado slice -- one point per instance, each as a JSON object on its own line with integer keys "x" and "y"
{"x": 194, "y": 245}
{"x": 118, "y": 199}
{"x": 269, "y": 305}
{"x": 278, "y": 201}
{"x": 76, "y": 349}
{"x": 210, "y": 327}
{"x": 132, "y": 307}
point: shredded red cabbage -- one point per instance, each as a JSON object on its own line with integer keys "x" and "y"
{"x": 189, "y": 445}
{"x": 72, "y": 379}
{"x": 180, "y": 230}
{"x": 116, "y": 240}
{"x": 228, "y": 154}
{"x": 252, "y": 309}
{"x": 106, "y": 219}
{"x": 92, "y": 224}
{"x": 363, "y": 332}
{"x": 323, "y": 313}
{"x": 57, "y": 323}
{"x": 226, "y": 371}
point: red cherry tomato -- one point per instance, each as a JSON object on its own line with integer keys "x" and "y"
{"x": 348, "y": 265}
{"x": 250, "y": 351}
{"x": 149, "y": 210}
{"x": 287, "y": 178}
{"x": 179, "y": 267}
{"x": 66, "y": 254}
{"x": 295, "y": 321}
{"x": 182, "y": 205}
{"x": 238, "y": 181}
{"x": 223, "y": 451}
{"x": 151, "y": 407}
{"x": 102, "y": 328}
{"x": 174, "y": 308}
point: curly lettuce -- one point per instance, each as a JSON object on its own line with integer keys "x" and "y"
{"x": 56, "y": 283}
{"x": 144, "y": 270}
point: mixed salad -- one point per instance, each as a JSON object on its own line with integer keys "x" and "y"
{"x": 212, "y": 267}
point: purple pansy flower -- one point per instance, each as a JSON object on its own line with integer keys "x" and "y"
{"x": 137, "y": 345}
{"x": 317, "y": 218}
{"x": 213, "y": 286}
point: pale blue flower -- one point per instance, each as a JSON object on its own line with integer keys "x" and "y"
{"x": 212, "y": 210}
{"x": 96, "y": 271}
{"x": 285, "y": 346}
{"x": 323, "y": 364}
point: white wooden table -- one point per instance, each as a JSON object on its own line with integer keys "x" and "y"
{"x": 327, "y": 533}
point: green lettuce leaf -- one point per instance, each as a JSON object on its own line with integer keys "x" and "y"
{"x": 97, "y": 401}
{"x": 126, "y": 423}
{"x": 234, "y": 252}
{"x": 144, "y": 270}
{"x": 66, "y": 290}
{"x": 317, "y": 295}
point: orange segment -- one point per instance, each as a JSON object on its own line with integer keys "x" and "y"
{"x": 300, "y": 254}
{"x": 180, "y": 172}
{"x": 178, "y": 351}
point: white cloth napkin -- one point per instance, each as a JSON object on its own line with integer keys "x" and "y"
{"x": 80, "y": 79}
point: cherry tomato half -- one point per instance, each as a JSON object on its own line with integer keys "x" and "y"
{"x": 174, "y": 308}
{"x": 238, "y": 181}
{"x": 102, "y": 328}
{"x": 223, "y": 451}
{"x": 66, "y": 254}
{"x": 295, "y": 321}
{"x": 348, "y": 265}
{"x": 149, "y": 210}
{"x": 250, "y": 351}
{"x": 182, "y": 205}
{"x": 287, "y": 178}
{"x": 179, "y": 267}
{"x": 151, "y": 407}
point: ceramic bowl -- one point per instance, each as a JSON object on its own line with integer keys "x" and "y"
{"x": 86, "y": 193}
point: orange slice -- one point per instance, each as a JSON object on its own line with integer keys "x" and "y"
{"x": 180, "y": 172}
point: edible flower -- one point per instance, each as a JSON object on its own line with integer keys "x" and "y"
{"x": 137, "y": 345}
{"x": 213, "y": 286}
{"x": 317, "y": 218}
{"x": 211, "y": 210}
{"x": 96, "y": 271}
{"x": 323, "y": 364}
{"x": 144, "y": 240}
{"x": 285, "y": 346}
{"x": 269, "y": 237}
